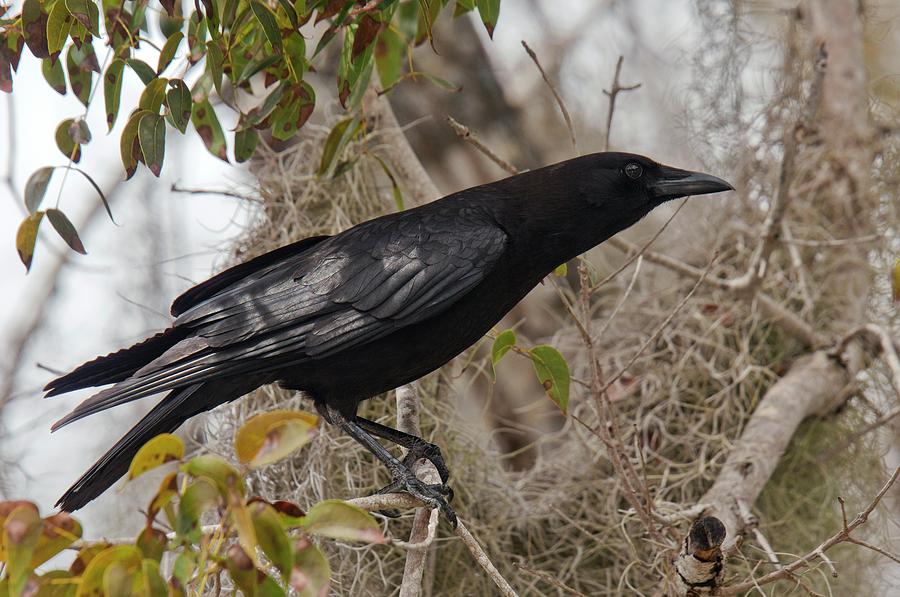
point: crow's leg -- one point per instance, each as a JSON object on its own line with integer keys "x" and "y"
{"x": 403, "y": 477}
{"x": 416, "y": 446}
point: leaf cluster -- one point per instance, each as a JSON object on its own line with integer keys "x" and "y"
{"x": 262, "y": 548}
{"x": 214, "y": 51}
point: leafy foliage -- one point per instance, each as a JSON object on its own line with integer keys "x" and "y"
{"x": 265, "y": 548}
{"x": 223, "y": 46}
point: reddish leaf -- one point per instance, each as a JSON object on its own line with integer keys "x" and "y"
{"x": 66, "y": 230}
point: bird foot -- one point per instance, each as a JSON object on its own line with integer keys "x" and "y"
{"x": 432, "y": 494}
{"x": 432, "y": 454}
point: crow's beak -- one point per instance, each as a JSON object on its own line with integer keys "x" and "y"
{"x": 676, "y": 183}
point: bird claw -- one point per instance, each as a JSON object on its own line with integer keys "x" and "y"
{"x": 432, "y": 454}
{"x": 431, "y": 494}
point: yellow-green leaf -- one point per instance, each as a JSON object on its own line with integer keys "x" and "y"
{"x": 272, "y": 435}
{"x": 58, "y": 25}
{"x": 562, "y": 270}
{"x": 21, "y": 533}
{"x": 26, "y": 237}
{"x": 502, "y": 345}
{"x": 311, "y": 576}
{"x": 553, "y": 372}
{"x": 337, "y": 139}
{"x": 896, "y": 280}
{"x": 66, "y": 230}
{"x": 153, "y": 583}
{"x": 339, "y": 520}
{"x": 272, "y": 537}
{"x": 217, "y": 470}
{"x": 59, "y": 532}
{"x": 127, "y": 558}
{"x": 86, "y": 13}
{"x": 163, "y": 448}
{"x": 199, "y": 496}
{"x": 490, "y": 12}
{"x": 168, "y": 489}
{"x": 153, "y": 95}
{"x": 36, "y": 187}
{"x": 152, "y": 543}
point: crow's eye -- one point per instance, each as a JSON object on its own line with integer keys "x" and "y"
{"x": 633, "y": 170}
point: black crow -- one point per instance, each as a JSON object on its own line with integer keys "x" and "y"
{"x": 349, "y": 316}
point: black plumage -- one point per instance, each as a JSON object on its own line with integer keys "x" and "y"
{"x": 349, "y": 316}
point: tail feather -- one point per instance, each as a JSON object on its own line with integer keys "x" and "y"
{"x": 117, "y": 366}
{"x": 178, "y": 406}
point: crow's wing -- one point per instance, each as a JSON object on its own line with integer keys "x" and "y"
{"x": 348, "y": 290}
{"x": 355, "y": 287}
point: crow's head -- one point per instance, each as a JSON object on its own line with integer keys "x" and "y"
{"x": 627, "y": 182}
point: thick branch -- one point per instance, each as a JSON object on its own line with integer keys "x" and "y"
{"x": 809, "y": 386}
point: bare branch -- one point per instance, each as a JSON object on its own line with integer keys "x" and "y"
{"x": 612, "y": 94}
{"x": 464, "y": 133}
{"x": 556, "y": 96}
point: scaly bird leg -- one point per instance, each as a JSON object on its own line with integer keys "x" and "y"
{"x": 417, "y": 447}
{"x": 403, "y": 477}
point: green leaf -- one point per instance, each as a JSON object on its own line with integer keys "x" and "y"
{"x": 291, "y": 13}
{"x": 215, "y": 62}
{"x": 153, "y": 95}
{"x": 163, "y": 448}
{"x": 152, "y": 543}
{"x": 59, "y": 532}
{"x": 245, "y": 141}
{"x": 336, "y": 141}
{"x": 65, "y": 140}
{"x": 311, "y": 576}
{"x": 54, "y": 75}
{"x": 272, "y": 537}
{"x": 339, "y": 520}
{"x": 26, "y": 237}
{"x": 59, "y": 23}
{"x": 553, "y": 373}
{"x": 207, "y": 125}
{"x": 196, "y": 37}
{"x": 178, "y": 101}
{"x": 94, "y": 184}
{"x": 129, "y": 145}
{"x": 142, "y": 70}
{"x": 199, "y": 496}
{"x": 21, "y": 533}
{"x": 86, "y": 13}
{"x": 395, "y": 188}
{"x": 389, "y": 54}
{"x": 34, "y": 27}
{"x": 154, "y": 585}
{"x": 293, "y": 111}
{"x": 490, "y": 12}
{"x": 168, "y": 51}
{"x": 295, "y": 55}
{"x": 66, "y": 230}
{"x": 502, "y": 345}
{"x": 260, "y": 113}
{"x": 36, "y": 187}
{"x": 267, "y": 22}
{"x": 112, "y": 90}
{"x": 80, "y": 78}
{"x": 270, "y": 436}
{"x": 561, "y": 270}
{"x": 462, "y": 7}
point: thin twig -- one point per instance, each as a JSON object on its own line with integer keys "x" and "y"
{"x": 612, "y": 94}
{"x": 464, "y": 133}
{"x": 176, "y": 189}
{"x": 556, "y": 96}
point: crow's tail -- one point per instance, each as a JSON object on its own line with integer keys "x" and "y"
{"x": 178, "y": 406}
{"x": 117, "y": 366}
